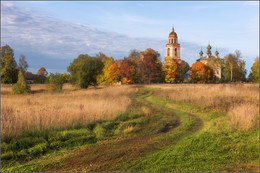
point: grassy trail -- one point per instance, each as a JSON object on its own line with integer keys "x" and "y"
{"x": 157, "y": 135}
{"x": 123, "y": 154}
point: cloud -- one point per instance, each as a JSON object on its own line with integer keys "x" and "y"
{"x": 51, "y": 42}
{"x": 251, "y": 3}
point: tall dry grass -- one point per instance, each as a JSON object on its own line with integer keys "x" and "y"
{"x": 240, "y": 101}
{"x": 41, "y": 111}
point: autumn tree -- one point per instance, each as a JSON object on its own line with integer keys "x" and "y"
{"x": 255, "y": 70}
{"x": 234, "y": 67}
{"x": 201, "y": 73}
{"x": 84, "y": 70}
{"x": 150, "y": 67}
{"x": 21, "y": 86}
{"x": 9, "y": 70}
{"x": 23, "y": 63}
{"x": 43, "y": 72}
{"x": 127, "y": 71}
{"x": 173, "y": 70}
{"x": 113, "y": 73}
{"x": 103, "y": 77}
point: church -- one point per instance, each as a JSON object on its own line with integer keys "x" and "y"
{"x": 173, "y": 50}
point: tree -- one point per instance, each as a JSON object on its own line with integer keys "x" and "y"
{"x": 113, "y": 73}
{"x": 84, "y": 70}
{"x": 43, "y": 72}
{"x": 55, "y": 81}
{"x": 185, "y": 66}
{"x": 201, "y": 73}
{"x": 173, "y": 70}
{"x": 150, "y": 66}
{"x": 23, "y": 63}
{"x": 103, "y": 77}
{"x": 234, "y": 67}
{"x": 9, "y": 70}
{"x": 255, "y": 70}
{"x": 127, "y": 71}
{"x": 21, "y": 86}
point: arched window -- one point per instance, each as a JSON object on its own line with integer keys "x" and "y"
{"x": 168, "y": 52}
{"x": 175, "y": 51}
{"x": 172, "y": 40}
{"x": 175, "y": 40}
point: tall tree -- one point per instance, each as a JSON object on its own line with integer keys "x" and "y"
{"x": 150, "y": 67}
{"x": 23, "y": 63}
{"x": 201, "y": 73}
{"x": 84, "y": 70}
{"x": 255, "y": 70}
{"x": 9, "y": 69}
{"x": 173, "y": 70}
{"x": 113, "y": 73}
{"x": 127, "y": 71}
{"x": 234, "y": 67}
{"x": 103, "y": 77}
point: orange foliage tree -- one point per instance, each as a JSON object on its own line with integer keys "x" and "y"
{"x": 113, "y": 73}
{"x": 201, "y": 73}
{"x": 173, "y": 70}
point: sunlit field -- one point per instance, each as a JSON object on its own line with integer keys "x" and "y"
{"x": 44, "y": 110}
{"x": 241, "y": 101}
{"x": 131, "y": 128}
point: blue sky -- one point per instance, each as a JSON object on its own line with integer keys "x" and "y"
{"x": 52, "y": 34}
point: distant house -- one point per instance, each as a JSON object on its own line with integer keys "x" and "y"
{"x": 35, "y": 78}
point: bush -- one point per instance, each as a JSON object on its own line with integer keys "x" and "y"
{"x": 55, "y": 82}
{"x": 21, "y": 86}
{"x": 100, "y": 131}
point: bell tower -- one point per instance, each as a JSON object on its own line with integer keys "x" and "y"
{"x": 173, "y": 47}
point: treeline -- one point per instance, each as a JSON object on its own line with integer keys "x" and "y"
{"x": 143, "y": 67}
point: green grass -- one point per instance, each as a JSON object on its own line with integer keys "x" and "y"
{"x": 215, "y": 148}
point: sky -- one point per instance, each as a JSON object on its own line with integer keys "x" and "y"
{"x": 52, "y": 34}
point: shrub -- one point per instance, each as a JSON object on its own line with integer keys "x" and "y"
{"x": 55, "y": 82}
{"x": 21, "y": 86}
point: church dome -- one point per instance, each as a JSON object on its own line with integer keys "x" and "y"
{"x": 172, "y": 34}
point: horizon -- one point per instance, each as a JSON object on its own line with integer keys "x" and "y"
{"x": 49, "y": 36}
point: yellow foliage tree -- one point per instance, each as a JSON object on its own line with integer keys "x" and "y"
{"x": 173, "y": 70}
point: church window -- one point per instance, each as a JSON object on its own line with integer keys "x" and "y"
{"x": 168, "y": 52}
{"x": 175, "y": 40}
{"x": 172, "y": 40}
{"x": 175, "y": 51}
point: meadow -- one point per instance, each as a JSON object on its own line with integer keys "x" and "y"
{"x": 147, "y": 128}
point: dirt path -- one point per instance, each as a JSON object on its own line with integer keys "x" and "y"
{"x": 117, "y": 155}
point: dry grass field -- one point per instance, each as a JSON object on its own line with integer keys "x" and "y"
{"x": 44, "y": 110}
{"x": 241, "y": 101}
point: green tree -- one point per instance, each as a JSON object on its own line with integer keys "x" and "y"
{"x": 234, "y": 67}
{"x": 21, "y": 86}
{"x": 255, "y": 70}
{"x": 9, "y": 70}
{"x": 185, "y": 66}
{"x": 84, "y": 70}
{"x": 55, "y": 81}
